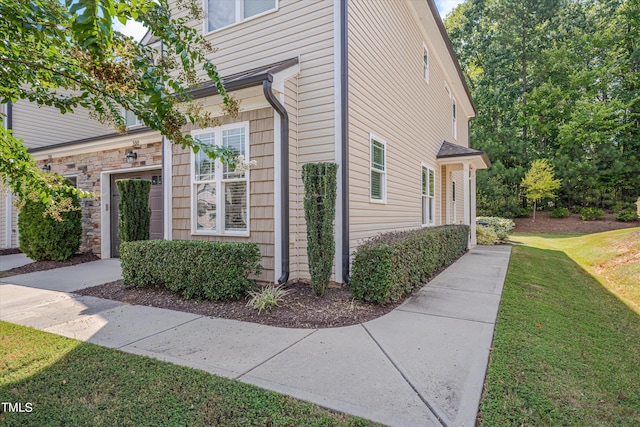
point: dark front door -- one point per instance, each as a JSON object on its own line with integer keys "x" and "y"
{"x": 155, "y": 202}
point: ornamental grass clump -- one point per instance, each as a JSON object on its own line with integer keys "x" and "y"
{"x": 389, "y": 266}
{"x": 319, "y": 212}
{"x": 267, "y": 298}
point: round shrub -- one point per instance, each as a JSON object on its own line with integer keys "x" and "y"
{"x": 627, "y": 215}
{"x": 501, "y": 226}
{"x": 560, "y": 213}
{"x": 591, "y": 214}
{"x": 485, "y": 235}
{"x": 44, "y": 238}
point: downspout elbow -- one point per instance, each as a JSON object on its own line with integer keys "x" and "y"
{"x": 284, "y": 175}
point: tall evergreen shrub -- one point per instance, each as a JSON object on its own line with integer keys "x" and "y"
{"x": 45, "y": 238}
{"x": 319, "y": 212}
{"x": 134, "y": 213}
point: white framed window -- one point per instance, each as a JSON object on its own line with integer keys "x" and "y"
{"x": 130, "y": 119}
{"x": 428, "y": 178}
{"x": 223, "y": 13}
{"x": 453, "y": 202}
{"x": 73, "y": 179}
{"x": 378, "y": 170}
{"x": 455, "y": 117}
{"x": 425, "y": 63}
{"x": 220, "y": 196}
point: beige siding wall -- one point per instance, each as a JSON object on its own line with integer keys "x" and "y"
{"x": 42, "y": 126}
{"x": 302, "y": 29}
{"x": 261, "y": 203}
{"x": 388, "y": 97}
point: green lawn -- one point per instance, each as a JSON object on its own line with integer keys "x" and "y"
{"x": 566, "y": 351}
{"x": 612, "y": 257}
{"x": 72, "y": 383}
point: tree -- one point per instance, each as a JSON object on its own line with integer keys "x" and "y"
{"x": 66, "y": 54}
{"x": 538, "y": 183}
{"x": 134, "y": 213}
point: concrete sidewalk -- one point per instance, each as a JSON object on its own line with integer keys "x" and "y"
{"x": 423, "y": 364}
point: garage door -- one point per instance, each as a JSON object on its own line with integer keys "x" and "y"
{"x": 155, "y": 202}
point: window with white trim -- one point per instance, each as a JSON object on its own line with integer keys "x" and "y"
{"x": 428, "y": 196}
{"x": 220, "y": 200}
{"x": 130, "y": 119}
{"x": 455, "y": 117}
{"x": 425, "y": 63}
{"x": 453, "y": 202}
{"x": 222, "y": 13}
{"x": 378, "y": 172}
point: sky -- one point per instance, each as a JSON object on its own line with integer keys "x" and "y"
{"x": 446, "y": 6}
{"x": 137, "y": 31}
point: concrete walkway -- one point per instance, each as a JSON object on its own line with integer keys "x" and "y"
{"x": 423, "y": 364}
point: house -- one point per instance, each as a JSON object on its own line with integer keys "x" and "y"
{"x": 373, "y": 86}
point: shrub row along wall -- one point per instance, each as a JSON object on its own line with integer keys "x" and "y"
{"x": 390, "y": 265}
{"x": 197, "y": 269}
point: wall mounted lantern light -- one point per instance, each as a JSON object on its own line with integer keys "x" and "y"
{"x": 131, "y": 156}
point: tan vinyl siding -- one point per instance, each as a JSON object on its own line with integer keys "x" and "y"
{"x": 388, "y": 97}
{"x": 302, "y": 29}
{"x": 261, "y": 210}
{"x": 42, "y": 126}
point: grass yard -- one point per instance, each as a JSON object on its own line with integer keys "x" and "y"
{"x": 566, "y": 350}
{"x": 68, "y": 382}
{"x": 612, "y": 257}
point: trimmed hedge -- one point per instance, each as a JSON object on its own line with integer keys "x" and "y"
{"x": 44, "y": 238}
{"x": 319, "y": 212}
{"x": 390, "y": 265}
{"x": 560, "y": 213}
{"x": 591, "y": 214}
{"x": 134, "y": 213}
{"x": 197, "y": 269}
{"x": 486, "y": 235}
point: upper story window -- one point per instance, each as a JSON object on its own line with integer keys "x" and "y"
{"x": 455, "y": 117}
{"x": 222, "y": 13}
{"x": 425, "y": 63}
{"x": 130, "y": 119}
{"x": 378, "y": 171}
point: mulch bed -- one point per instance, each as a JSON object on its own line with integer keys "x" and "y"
{"x": 49, "y": 265}
{"x": 572, "y": 224}
{"x": 10, "y": 251}
{"x": 300, "y": 308}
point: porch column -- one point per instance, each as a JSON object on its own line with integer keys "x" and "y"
{"x": 466, "y": 184}
{"x": 472, "y": 198}
{"x": 9, "y": 220}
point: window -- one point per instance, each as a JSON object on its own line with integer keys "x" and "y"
{"x": 130, "y": 119}
{"x": 425, "y": 63}
{"x": 220, "y": 202}
{"x": 378, "y": 174}
{"x": 455, "y": 117}
{"x": 222, "y": 13}
{"x": 428, "y": 196}
{"x": 453, "y": 202}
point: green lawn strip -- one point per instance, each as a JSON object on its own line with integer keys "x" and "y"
{"x": 73, "y": 383}
{"x": 566, "y": 351}
{"x": 612, "y": 257}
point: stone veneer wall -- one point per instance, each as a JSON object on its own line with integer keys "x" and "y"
{"x": 87, "y": 167}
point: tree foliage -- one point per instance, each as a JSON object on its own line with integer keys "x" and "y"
{"x": 65, "y": 54}
{"x": 538, "y": 183}
{"x": 555, "y": 79}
